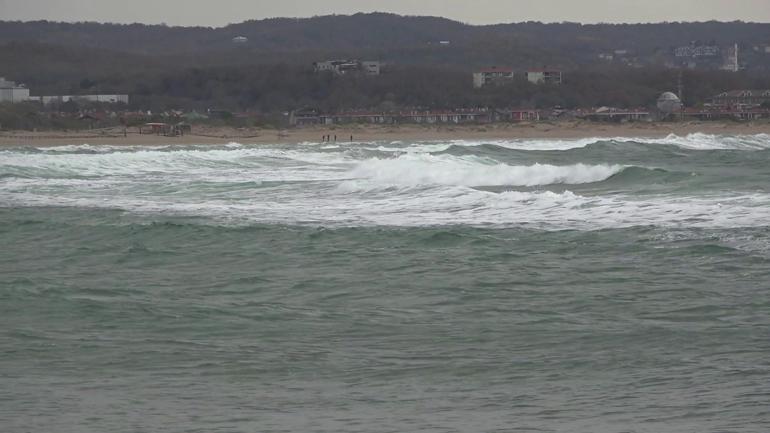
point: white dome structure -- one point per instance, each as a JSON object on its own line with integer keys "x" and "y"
{"x": 669, "y": 103}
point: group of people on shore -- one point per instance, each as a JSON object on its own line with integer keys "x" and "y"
{"x": 328, "y": 138}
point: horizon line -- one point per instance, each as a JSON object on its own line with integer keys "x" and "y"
{"x": 308, "y": 18}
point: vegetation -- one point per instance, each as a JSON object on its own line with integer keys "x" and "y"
{"x": 199, "y": 68}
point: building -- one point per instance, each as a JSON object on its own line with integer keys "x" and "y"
{"x": 12, "y": 92}
{"x": 60, "y": 99}
{"x": 669, "y": 103}
{"x": 726, "y": 113}
{"x": 731, "y": 60}
{"x": 304, "y": 117}
{"x": 493, "y": 75}
{"x": 741, "y": 98}
{"x": 544, "y": 76}
{"x": 370, "y": 67}
{"x": 696, "y": 49}
{"x": 342, "y": 67}
{"x": 611, "y": 114}
{"x": 312, "y": 117}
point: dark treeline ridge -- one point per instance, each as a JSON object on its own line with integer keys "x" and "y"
{"x": 197, "y": 67}
{"x": 398, "y": 38}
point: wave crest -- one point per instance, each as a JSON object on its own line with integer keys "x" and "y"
{"x": 425, "y": 169}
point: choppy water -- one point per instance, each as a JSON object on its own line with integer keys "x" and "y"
{"x": 536, "y": 286}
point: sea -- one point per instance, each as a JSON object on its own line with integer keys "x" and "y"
{"x": 585, "y": 285}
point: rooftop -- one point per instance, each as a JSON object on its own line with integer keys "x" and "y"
{"x": 496, "y": 69}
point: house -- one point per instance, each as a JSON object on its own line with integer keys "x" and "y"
{"x": 737, "y": 98}
{"x": 732, "y": 113}
{"x": 342, "y": 67}
{"x": 439, "y": 116}
{"x": 304, "y": 118}
{"x": 696, "y": 49}
{"x": 544, "y": 76}
{"x": 12, "y": 92}
{"x": 156, "y": 128}
{"x": 395, "y": 117}
{"x": 515, "y": 115}
{"x": 493, "y": 75}
{"x": 611, "y": 114}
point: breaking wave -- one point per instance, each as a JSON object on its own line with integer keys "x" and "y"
{"x": 411, "y": 184}
{"x": 426, "y": 169}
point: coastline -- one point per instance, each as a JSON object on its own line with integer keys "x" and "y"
{"x": 204, "y": 135}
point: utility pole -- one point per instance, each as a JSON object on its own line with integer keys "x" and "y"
{"x": 680, "y": 94}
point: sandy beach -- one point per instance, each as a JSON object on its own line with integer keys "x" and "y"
{"x": 343, "y": 133}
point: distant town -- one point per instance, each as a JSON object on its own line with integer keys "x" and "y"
{"x": 93, "y": 110}
{"x": 253, "y": 79}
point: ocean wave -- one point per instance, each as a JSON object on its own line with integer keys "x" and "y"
{"x": 546, "y": 210}
{"x": 693, "y": 141}
{"x": 701, "y": 141}
{"x": 426, "y": 169}
{"x": 360, "y": 185}
{"x": 109, "y": 161}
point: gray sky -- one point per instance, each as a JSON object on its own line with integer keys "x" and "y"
{"x": 222, "y": 12}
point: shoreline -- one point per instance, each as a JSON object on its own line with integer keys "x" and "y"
{"x": 204, "y": 135}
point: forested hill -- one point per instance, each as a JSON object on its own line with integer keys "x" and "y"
{"x": 394, "y": 38}
{"x": 427, "y": 62}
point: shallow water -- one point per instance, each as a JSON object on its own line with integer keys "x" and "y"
{"x": 598, "y": 285}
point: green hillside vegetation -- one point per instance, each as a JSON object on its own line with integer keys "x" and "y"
{"x": 197, "y": 67}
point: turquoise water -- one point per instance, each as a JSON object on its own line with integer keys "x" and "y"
{"x": 553, "y": 286}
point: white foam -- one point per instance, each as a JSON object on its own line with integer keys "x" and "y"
{"x": 426, "y": 169}
{"x": 231, "y": 164}
{"x": 346, "y": 186}
{"x": 427, "y": 207}
{"x": 701, "y": 141}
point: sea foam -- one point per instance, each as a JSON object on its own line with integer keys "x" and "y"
{"x": 426, "y": 169}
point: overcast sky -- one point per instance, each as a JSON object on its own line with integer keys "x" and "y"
{"x": 222, "y": 12}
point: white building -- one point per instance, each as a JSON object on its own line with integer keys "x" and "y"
{"x": 731, "y": 61}
{"x": 11, "y": 92}
{"x": 544, "y": 76}
{"x": 493, "y": 75}
{"x": 109, "y": 99}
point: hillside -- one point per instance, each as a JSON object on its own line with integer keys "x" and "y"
{"x": 397, "y": 39}
{"x": 197, "y": 67}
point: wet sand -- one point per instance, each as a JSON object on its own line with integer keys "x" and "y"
{"x": 541, "y": 130}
